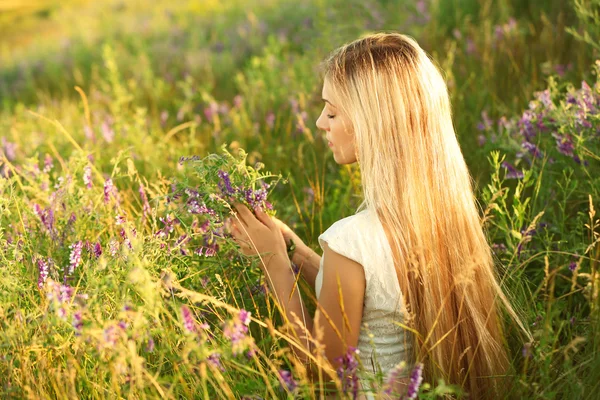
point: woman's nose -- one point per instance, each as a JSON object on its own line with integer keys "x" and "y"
{"x": 321, "y": 124}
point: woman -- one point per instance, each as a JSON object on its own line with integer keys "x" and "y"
{"x": 410, "y": 277}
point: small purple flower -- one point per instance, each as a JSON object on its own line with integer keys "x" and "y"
{"x": 481, "y": 139}
{"x": 9, "y": 149}
{"x": 169, "y": 224}
{"x": 75, "y": 257}
{"x": 77, "y": 322}
{"x": 107, "y": 132}
{"x": 526, "y": 351}
{"x": 110, "y": 336}
{"x": 188, "y": 320}
{"x": 211, "y": 111}
{"x": 145, "y": 204}
{"x": 113, "y": 247}
{"x": 87, "y": 176}
{"x": 215, "y": 360}
{"x": 564, "y": 144}
{"x": 43, "y": 269}
{"x": 486, "y": 122}
{"x": 347, "y": 371}
{"x": 573, "y": 266}
{"x": 244, "y": 317}
{"x": 108, "y": 189}
{"x": 295, "y": 268}
{"x": 499, "y": 247}
{"x": 48, "y": 164}
{"x": 287, "y": 381}
{"x": 415, "y": 381}
{"x": 533, "y": 149}
{"x": 392, "y": 376}
{"x": 270, "y": 119}
{"x": 225, "y": 184}
{"x": 163, "y": 118}
{"x": 512, "y": 172}
{"x": 97, "y": 250}
{"x": 119, "y": 220}
{"x": 150, "y": 345}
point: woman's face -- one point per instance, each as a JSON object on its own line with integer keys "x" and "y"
{"x": 338, "y": 128}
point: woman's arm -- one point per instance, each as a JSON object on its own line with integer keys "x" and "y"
{"x": 340, "y": 305}
{"x": 304, "y": 257}
{"x": 309, "y": 263}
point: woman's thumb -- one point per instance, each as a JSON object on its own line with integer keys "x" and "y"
{"x": 264, "y": 218}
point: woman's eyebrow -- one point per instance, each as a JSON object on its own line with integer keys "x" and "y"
{"x": 328, "y": 102}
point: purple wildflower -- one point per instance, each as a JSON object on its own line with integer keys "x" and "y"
{"x": 499, "y": 247}
{"x": 236, "y": 329}
{"x": 169, "y": 224}
{"x": 204, "y": 281}
{"x": 512, "y": 172}
{"x": 287, "y": 381}
{"x": 9, "y": 149}
{"x": 110, "y": 336}
{"x": 150, "y": 345}
{"x": 215, "y": 360}
{"x": 211, "y": 111}
{"x": 77, "y": 322}
{"x": 225, "y": 184}
{"x": 244, "y": 317}
{"x": 164, "y": 115}
{"x": 533, "y": 149}
{"x": 145, "y": 204}
{"x": 43, "y": 269}
{"x": 108, "y": 189}
{"x": 119, "y": 220}
{"x": 97, "y": 250}
{"x": 526, "y": 351}
{"x": 392, "y": 376}
{"x": 89, "y": 133}
{"x": 573, "y": 266}
{"x": 347, "y": 371}
{"x": 270, "y": 119}
{"x": 486, "y": 122}
{"x": 188, "y": 320}
{"x": 564, "y": 144}
{"x": 113, "y": 247}
{"x": 87, "y": 176}
{"x": 48, "y": 164}
{"x": 75, "y": 257}
{"x": 295, "y": 268}
{"x": 481, "y": 139}
{"x": 415, "y": 381}
{"x": 107, "y": 132}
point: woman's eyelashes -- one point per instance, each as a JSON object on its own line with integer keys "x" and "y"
{"x": 330, "y": 116}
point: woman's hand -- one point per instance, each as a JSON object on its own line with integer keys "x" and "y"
{"x": 257, "y": 234}
{"x": 288, "y": 233}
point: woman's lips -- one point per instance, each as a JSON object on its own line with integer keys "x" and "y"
{"x": 330, "y": 144}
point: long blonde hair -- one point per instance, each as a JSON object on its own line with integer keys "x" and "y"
{"x": 416, "y": 179}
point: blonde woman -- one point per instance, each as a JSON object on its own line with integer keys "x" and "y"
{"x": 410, "y": 277}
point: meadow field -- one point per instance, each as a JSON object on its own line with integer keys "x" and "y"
{"x": 121, "y": 120}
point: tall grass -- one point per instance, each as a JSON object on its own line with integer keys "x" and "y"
{"x": 122, "y": 90}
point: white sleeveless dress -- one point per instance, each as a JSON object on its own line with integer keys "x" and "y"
{"x": 382, "y": 344}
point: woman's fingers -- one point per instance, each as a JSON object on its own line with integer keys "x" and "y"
{"x": 243, "y": 214}
{"x": 265, "y": 219}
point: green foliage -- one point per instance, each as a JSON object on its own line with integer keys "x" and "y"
{"x": 111, "y": 287}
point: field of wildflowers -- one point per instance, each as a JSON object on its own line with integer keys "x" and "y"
{"x": 128, "y": 128}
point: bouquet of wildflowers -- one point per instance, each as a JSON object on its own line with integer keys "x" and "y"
{"x": 202, "y": 201}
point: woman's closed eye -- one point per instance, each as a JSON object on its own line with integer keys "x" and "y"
{"x": 330, "y": 116}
